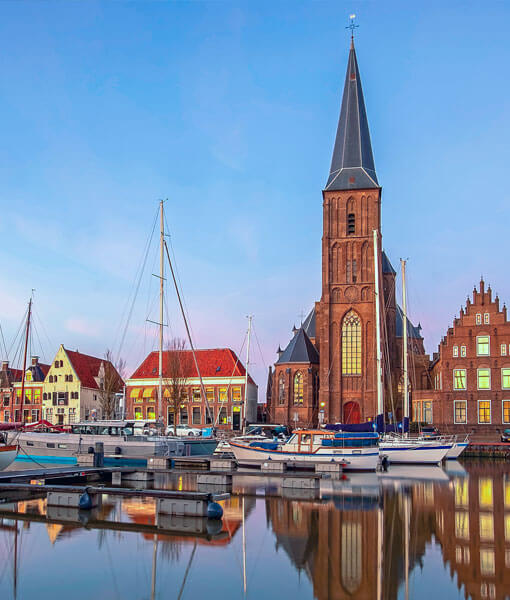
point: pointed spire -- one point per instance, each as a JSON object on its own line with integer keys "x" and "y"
{"x": 352, "y": 166}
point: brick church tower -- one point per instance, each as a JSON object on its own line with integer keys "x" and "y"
{"x": 345, "y": 315}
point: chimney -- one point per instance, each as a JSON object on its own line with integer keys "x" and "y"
{"x": 5, "y": 365}
{"x": 35, "y": 361}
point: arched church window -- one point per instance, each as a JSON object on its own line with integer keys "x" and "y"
{"x": 351, "y": 344}
{"x": 351, "y": 224}
{"x": 298, "y": 388}
{"x": 281, "y": 390}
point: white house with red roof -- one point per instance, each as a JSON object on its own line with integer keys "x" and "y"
{"x": 224, "y": 379}
{"x": 73, "y": 387}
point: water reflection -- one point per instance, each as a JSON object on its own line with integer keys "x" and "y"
{"x": 405, "y": 534}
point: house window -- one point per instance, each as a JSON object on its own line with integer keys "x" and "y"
{"x": 7, "y": 416}
{"x": 209, "y": 393}
{"x": 506, "y": 411}
{"x": 486, "y": 318}
{"x": 61, "y": 363}
{"x": 351, "y": 224}
{"x": 281, "y": 390}
{"x": 37, "y": 395}
{"x": 222, "y": 417}
{"x": 478, "y": 319}
{"x": 455, "y": 351}
{"x": 151, "y": 413}
{"x": 236, "y": 394}
{"x": 484, "y": 379}
{"x": 298, "y": 388}
{"x": 223, "y": 394}
{"x": 56, "y": 364}
{"x": 459, "y": 379}
{"x": 427, "y": 411}
{"x": 138, "y": 412}
{"x": 197, "y": 418}
{"x": 505, "y": 379}
{"x": 483, "y": 345}
{"x": 460, "y": 411}
{"x": 197, "y": 396}
{"x": 183, "y": 415}
{"x": 351, "y": 344}
{"x": 503, "y": 349}
{"x": 7, "y": 400}
{"x": 463, "y": 351}
{"x": 484, "y": 411}
{"x": 35, "y": 416}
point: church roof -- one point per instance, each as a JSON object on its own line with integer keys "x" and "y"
{"x": 309, "y": 324}
{"x": 412, "y": 331}
{"x": 387, "y": 267}
{"x": 352, "y": 166}
{"x": 299, "y": 350}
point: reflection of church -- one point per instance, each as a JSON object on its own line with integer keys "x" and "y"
{"x": 328, "y": 370}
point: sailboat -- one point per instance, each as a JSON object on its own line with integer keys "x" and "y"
{"x": 399, "y": 448}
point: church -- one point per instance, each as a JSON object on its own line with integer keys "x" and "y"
{"x": 328, "y": 372}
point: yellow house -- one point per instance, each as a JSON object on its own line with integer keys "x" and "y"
{"x": 73, "y": 387}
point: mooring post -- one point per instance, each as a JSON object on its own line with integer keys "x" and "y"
{"x": 99, "y": 454}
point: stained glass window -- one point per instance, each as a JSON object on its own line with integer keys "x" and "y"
{"x": 351, "y": 345}
{"x": 298, "y": 388}
{"x": 281, "y": 390}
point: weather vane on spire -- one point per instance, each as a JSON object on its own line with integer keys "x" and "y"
{"x": 352, "y": 26}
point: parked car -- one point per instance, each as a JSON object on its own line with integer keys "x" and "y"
{"x": 183, "y": 431}
{"x": 505, "y": 436}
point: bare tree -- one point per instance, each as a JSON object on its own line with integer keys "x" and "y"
{"x": 176, "y": 370}
{"x": 110, "y": 383}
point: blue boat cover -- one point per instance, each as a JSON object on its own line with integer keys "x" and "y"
{"x": 265, "y": 445}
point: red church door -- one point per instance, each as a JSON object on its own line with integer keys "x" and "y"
{"x": 352, "y": 412}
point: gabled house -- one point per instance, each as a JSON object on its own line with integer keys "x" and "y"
{"x": 75, "y": 389}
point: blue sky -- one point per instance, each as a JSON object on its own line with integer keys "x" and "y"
{"x": 229, "y": 110}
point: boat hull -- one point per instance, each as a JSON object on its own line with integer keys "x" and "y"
{"x": 7, "y": 456}
{"x": 414, "y": 454}
{"x": 456, "y": 450}
{"x": 364, "y": 461}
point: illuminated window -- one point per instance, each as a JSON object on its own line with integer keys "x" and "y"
{"x": 487, "y": 563}
{"x": 505, "y": 379}
{"x": 484, "y": 379}
{"x": 484, "y": 411}
{"x": 37, "y": 395}
{"x": 486, "y": 318}
{"x": 485, "y": 491}
{"x": 462, "y": 525}
{"x": 478, "y": 319}
{"x": 503, "y": 349}
{"x": 459, "y": 379}
{"x": 427, "y": 411}
{"x": 506, "y": 492}
{"x": 209, "y": 393}
{"x": 460, "y": 415}
{"x": 151, "y": 412}
{"x": 196, "y": 395}
{"x": 486, "y": 527}
{"x": 298, "y": 388}
{"x": 222, "y": 418}
{"x": 455, "y": 351}
{"x": 463, "y": 351}
{"x": 461, "y": 492}
{"x": 281, "y": 390}
{"x": 236, "y": 394}
{"x": 138, "y": 412}
{"x": 507, "y": 528}
{"x": 506, "y": 411}
{"x": 483, "y": 345}
{"x": 223, "y": 394}
{"x": 351, "y": 345}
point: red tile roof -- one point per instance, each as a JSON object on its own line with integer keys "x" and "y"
{"x": 87, "y": 367}
{"x": 217, "y": 362}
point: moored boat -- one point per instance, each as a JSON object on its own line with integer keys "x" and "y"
{"x": 8, "y": 454}
{"x": 358, "y": 451}
{"x": 400, "y": 450}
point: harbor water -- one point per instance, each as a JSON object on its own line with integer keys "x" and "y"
{"x": 412, "y": 532}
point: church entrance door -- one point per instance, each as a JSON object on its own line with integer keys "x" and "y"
{"x": 352, "y": 412}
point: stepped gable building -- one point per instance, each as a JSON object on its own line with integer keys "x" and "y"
{"x": 224, "y": 378}
{"x": 10, "y": 383}
{"x": 336, "y": 381}
{"x": 470, "y": 372}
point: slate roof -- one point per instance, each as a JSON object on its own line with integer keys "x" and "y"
{"x": 217, "y": 362}
{"x": 386, "y": 264}
{"x": 412, "y": 331}
{"x": 352, "y": 165}
{"x": 299, "y": 350}
{"x": 87, "y": 368}
{"x": 309, "y": 324}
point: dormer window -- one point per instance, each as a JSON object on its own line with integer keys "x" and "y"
{"x": 351, "y": 224}
{"x": 486, "y": 318}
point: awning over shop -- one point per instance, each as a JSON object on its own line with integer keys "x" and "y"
{"x": 135, "y": 393}
{"x": 149, "y": 393}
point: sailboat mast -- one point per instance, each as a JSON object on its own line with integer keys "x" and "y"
{"x": 404, "y": 341}
{"x": 380, "y": 408}
{"x": 161, "y": 298}
{"x": 250, "y": 317}
{"x": 25, "y": 360}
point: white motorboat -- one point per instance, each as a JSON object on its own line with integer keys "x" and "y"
{"x": 358, "y": 451}
{"x": 401, "y": 450}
